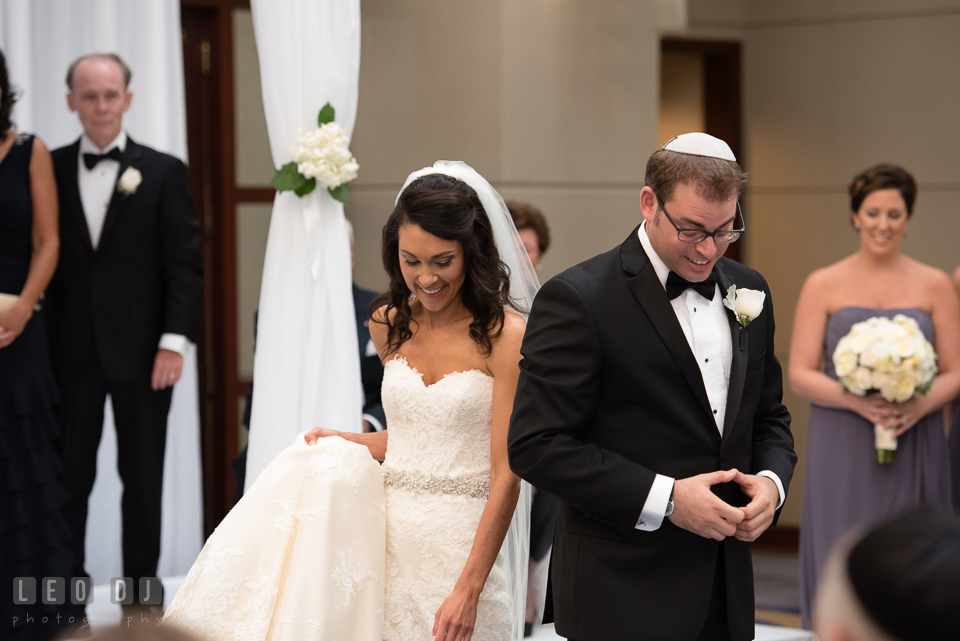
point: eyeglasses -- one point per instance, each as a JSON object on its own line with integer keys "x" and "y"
{"x": 723, "y": 237}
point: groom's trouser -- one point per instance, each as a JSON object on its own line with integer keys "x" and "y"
{"x": 140, "y": 416}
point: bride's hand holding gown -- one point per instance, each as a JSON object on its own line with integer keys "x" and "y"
{"x": 301, "y": 556}
{"x": 327, "y": 544}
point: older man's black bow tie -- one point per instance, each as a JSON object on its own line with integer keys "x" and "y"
{"x": 91, "y": 160}
{"x": 677, "y": 284}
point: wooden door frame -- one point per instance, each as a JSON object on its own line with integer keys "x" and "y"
{"x": 722, "y": 95}
{"x": 722, "y": 84}
{"x": 221, "y": 387}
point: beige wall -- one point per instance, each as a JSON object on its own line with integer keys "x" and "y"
{"x": 681, "y": 96}
{"x": 830, "y": 88}
{"x": 554, "y": 102}
{"x": 557, "y": 103}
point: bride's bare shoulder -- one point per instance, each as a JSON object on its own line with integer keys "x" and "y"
{"x": 506, "y": 346}
{"x": 513, "y": 324}
{"x": 380, "y": 321}
{"x": 382, "y": 315}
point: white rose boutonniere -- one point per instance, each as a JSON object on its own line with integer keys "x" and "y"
{"x": 129, "y": 181}
{"x": 746, "y": 304}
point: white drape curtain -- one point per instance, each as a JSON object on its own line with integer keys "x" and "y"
{"x": 39, "y": 39}
{"x": 306, "y": 370}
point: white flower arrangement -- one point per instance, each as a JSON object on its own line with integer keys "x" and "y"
{"x": 322, "y": 155}
{"x": 888, "y": 356}
{"x": 129, "y": 181}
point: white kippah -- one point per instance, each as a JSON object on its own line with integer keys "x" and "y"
{"x": 699, "y": 144}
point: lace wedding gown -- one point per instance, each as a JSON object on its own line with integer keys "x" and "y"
{"x": 328, "y": 545}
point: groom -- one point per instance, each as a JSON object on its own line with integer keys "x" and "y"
{"x": 656, "y": 418}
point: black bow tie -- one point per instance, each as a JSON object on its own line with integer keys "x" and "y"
{"x": 91, "y": 160}
{"x": 677, "y": 284}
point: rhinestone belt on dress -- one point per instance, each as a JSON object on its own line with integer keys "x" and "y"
{"x": 437, "y": 484}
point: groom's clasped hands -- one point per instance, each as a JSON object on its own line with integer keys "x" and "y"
{"x": 702, "y": 512}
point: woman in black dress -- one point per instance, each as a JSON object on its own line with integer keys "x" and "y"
{"x": 33, "y": 534}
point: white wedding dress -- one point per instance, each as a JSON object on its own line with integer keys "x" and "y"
{"x": 327, "y": 544}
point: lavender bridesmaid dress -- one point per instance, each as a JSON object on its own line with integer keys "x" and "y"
{"x": 955, "y": 455}
{"x": 845, "y": 487}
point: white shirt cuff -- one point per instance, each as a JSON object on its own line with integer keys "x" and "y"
{"x": 655, "y": 507}
{"x": 776, "y": 479}
{"x": 375, "y": 423}
{"x": 175, "y": 343}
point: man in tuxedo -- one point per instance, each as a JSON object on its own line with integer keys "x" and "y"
{"x": 655, "y": 417}
{"x": 371, "y": 369}
{"x": 123, "y": 306}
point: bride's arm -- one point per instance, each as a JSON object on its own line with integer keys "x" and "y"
{"x": 458, "y": 614}
{"x": 376, "y": 442}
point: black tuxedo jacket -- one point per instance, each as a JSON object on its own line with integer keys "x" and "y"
{"x": 144, "y": 279}
{"x": 371, "y": 369}
{"x": 609, "y": 396}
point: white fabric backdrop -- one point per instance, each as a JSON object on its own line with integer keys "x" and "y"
{"x": 306, "y": 370}
{"x": 39, "y": 39}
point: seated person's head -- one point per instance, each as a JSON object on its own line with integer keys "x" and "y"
{"x": 900, "y": 582}
{"x": 143, "y": 632}
{"x": 532, "y": 227}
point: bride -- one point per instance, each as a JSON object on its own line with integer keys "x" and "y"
{"x": 432, "y": 545}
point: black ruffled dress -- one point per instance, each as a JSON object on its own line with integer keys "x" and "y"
{"x": 33, "y": 534}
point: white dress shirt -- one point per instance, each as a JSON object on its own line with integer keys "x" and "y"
{"x": 96, "y": 189}
{"x": 97, "y": 184}
{"x": 707, "y": 329}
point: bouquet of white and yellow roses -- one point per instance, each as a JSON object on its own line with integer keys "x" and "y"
{"x": 888, "y": 356}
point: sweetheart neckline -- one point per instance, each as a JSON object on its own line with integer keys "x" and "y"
{"x": 880, "y": 309}
{"x": 403, "y": 361}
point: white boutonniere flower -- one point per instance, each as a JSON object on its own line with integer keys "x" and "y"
{"x": 129, "y": 181}
{"x": 746, "y": 304}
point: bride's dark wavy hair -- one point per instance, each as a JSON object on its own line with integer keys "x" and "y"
{"x": 449, "y": 209}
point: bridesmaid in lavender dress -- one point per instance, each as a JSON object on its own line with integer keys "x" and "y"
{"x": 845, "y": 486}
{"x": 955, "y": 428}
